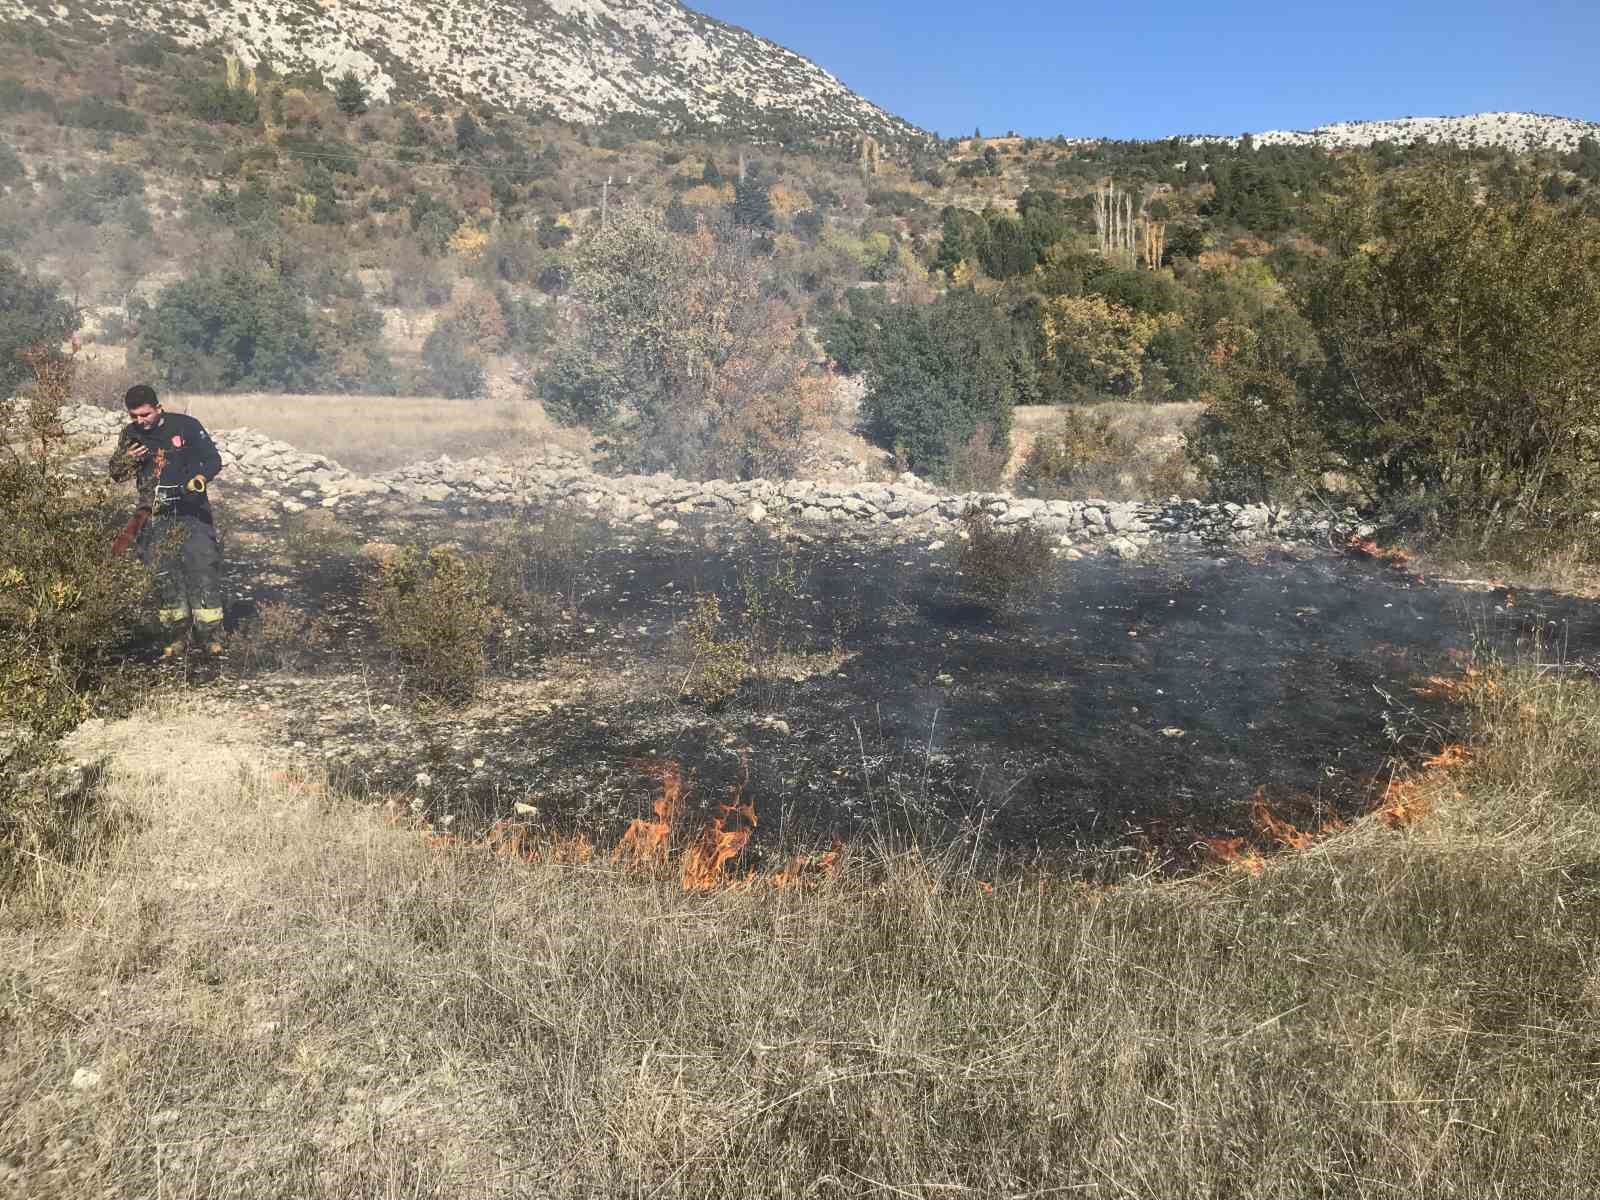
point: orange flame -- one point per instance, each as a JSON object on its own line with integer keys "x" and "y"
{"x": 1403, "y": 803}
{"x": 1270, "y": 825}
{"x": 1453, "y": 755}
{"x": 1234, "y": 852}
{"x": 517, "y": 839}
{"x": 803, "y": 870}
{"x": 647, "y": 842}
{"x": 1472, "y": 681}
{"x": 1388, "y": 555}
{"x": 717, "y": 846}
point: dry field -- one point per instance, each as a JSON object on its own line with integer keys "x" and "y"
{"x": 375, "y": 433}
{"x": 257, "y": 989}
{"x": 1155, "y": 430}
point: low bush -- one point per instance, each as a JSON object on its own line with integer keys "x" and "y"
{"x": 433, "y": 611}
{"x": 1077, "y": 456}
{"x": 236, "y": 328}
{"x": 313, "y": 538}
{"x": 979, "y": 463}
{"x": 11, "y": 168}
{"x": 534, "y": 571}
{"x": 718, "y": 664}
{"x": 93, "y": 113}
{"x": 1000, "y": 565}
{"x": 453, "y": 367}
{"x": 32, "y": 315}
{"x": 280, "y": 637}
{"x": 65, "y": 606}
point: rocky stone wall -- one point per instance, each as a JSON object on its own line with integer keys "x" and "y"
{"x": 907, "y": 508}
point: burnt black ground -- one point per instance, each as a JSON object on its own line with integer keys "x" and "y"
{"x": 1132, "y": 703}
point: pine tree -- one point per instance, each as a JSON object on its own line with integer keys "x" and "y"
{"x": 752, "y": 204}
{"x": 469, "y": 135}
{"x": 351, "y": 95}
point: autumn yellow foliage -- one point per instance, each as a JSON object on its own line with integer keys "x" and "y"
{"x": 1098, "y": 343}
{"x": 706, "y": 196}
{"x": 469, "y": 242}
{"x": 786, "y": 201}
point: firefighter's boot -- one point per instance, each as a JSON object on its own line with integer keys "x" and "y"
{"x": 209, "y": 637}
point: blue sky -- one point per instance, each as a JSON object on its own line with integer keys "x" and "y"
{"x": 1166, "y": 67}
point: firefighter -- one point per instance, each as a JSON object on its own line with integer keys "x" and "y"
{"x": 173, "y": 460}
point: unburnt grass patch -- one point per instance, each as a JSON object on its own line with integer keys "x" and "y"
{"x": 273, "y": 993}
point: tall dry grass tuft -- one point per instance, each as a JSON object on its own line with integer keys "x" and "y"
{"x": 276, "y": 994}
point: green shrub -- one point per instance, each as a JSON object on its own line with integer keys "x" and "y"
{"x": 102, "y": 196}
{"x": 454, "y": 367}
{"x": 1450, "y": 373}
{"x": 93, "y": 113}
{"x": 235, "y": 328}
{"x": 32, "y": 314}
{"x": 718, "y": 665}
{"x": 1000, "y": 565}
{"x": 16, "y": 96}
{"x": 148, "y": 53}
{"x": 433, "y": 612}
{"x": 65, "y": 604}
{"x": 214, "y": 102}
{"x": 936, "y": 372}
{"x": 683, "y": 361}
{"x": 11, "y": 168}
{"x": 351, "y": 94}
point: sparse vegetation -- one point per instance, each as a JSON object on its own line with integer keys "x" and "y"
{"x": 393, "y": 1004}
{"x": 1074, "y": 457}
{"x": 719, "y": 660}
{"x": 65, "y": 606}
{"x": 535, "y": 573}
{"x": 1391, "y": 1010}
{"x": 280, "y": 637}
{"x": 432, "y": 609}
{"x": 1000, "y": 565}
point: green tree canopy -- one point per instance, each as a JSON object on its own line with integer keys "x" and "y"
{"x": 936, "y": 372}
{"x": 235, "y": 328}
{"x": 681, "y": 360}
{"x": 32, "y": 314}
{"x": 351, "y": 94}
{"x": 1456, "y": 376}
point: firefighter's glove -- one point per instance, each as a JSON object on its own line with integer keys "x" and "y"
{"x": 196, "y": 485}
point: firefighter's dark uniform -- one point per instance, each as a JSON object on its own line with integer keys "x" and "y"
{"x": 179, "y": 542}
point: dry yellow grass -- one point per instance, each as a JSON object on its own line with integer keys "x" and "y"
{"x": 1156, "y": 432}
{"x": 373, "y": 433}
{"x": 266, "y": 992}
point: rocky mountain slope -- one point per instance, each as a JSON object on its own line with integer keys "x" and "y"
{"x": 1517, "y": 131}
{"x": 582, "y": 60}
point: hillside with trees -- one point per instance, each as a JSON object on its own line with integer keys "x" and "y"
{"x": 692, "y": 298}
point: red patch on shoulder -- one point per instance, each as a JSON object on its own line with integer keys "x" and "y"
{"x": 177, "y": 440}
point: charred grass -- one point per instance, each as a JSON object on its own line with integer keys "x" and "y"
{"x": 280, "y": 994}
